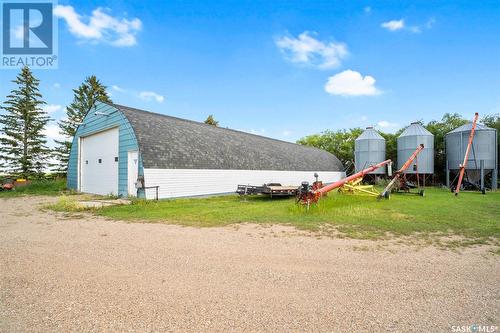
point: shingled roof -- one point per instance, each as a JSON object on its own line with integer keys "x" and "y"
{"x": 172, "y": 143}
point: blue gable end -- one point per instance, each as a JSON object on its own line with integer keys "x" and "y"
{"x": 96, "y": 123}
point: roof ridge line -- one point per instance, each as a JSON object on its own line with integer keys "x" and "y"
{"x": 118, "y": 106}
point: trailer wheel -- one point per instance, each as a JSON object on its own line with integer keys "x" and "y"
{"x": 387, "y": 195}
{"x": 421, "y": 193}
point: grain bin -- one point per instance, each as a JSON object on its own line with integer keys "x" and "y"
{"x": 369, "y": 149}
{"x": 483, "y": 157}
{"x": 413, "y": 136}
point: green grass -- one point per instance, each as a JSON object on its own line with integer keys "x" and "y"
{"x": 471, "y": 215}
{"x": 66, "y": 204}
{"x": 37, "y": 187}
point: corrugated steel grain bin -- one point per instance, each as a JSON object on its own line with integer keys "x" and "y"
{"x": 408, "y": 141}
{"x": 369, "y": 149}
{"x": 483, "y": 157}
{"x": 484, "y": 147}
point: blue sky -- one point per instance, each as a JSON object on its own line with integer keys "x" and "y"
{"x": 283, "y": 69}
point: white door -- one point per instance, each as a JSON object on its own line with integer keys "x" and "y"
{"x": 133, "y": 172}
{"x": 99, "y": 163}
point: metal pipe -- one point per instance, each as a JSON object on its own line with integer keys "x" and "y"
{"x": 411, "y": 159}
{"x": 494, "y": 178}
{"x": 481, "y": 163}
{"x": 466, "y": 157}
{"x": 447, "y": 174}
{"x": 400, "y": 171}
{"x": 341, "y": 182}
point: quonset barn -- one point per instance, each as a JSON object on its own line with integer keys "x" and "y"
{"x": 117, "y": 148}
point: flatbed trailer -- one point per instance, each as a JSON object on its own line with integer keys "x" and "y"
{"x": 271, "y": 189}
{"x": 249, "y": 189}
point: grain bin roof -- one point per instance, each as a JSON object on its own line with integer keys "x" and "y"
{"x": 172, "y": 143}
{"x": 468, "y": 127}
{"x": 415, "y": 129}
{"x": 370, "y": 134}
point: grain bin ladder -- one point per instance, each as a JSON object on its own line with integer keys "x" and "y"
{"x": 466, "y": 157}
{"x": 386, "y": 192}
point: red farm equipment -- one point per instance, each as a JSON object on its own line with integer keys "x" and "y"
{"x": 308, "y": 194}
{"x": 400, "y": 180}
{"x": 466, "y": 157}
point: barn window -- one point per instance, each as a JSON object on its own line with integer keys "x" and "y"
{"x": 87, "y": 162}
{"x": 116, "y": 159}
{"x": 100, "y": 160}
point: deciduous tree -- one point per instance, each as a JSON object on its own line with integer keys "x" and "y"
{"x": 340, "y": 143}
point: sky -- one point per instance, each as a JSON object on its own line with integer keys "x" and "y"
{"x": 283, "y": 69}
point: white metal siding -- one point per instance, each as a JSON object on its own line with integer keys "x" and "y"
{"x": 99, "y": 169}
{"x": 192, "y": 182}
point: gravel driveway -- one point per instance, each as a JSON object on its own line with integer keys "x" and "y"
{"x": 89, "y": 274}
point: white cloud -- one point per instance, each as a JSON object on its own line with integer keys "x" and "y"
{"x": 393, "y": 25}
{"x": 118, "y": 89}
{"x": 426, "y": 26}
{"x": 307, "y": 50}
{"x": 400, "y": 24}
{"x": 144, "y": 95}
{"x": 351, "y": 83}
{"x": 367, "y": 9}
{"x": 364, "y": 118}
{"x": 51, "y": 131}
{"x": 51, "y": 108}
{"x": 101, "y": 26}
{"x": 387, "y": 124}
{"x": 150, "y": 95}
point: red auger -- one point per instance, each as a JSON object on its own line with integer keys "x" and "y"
{"x": 307, "y": 194}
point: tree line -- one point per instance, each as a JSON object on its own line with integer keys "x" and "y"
{"x": 341, "y": 142}
{"x": 23, "y": 144}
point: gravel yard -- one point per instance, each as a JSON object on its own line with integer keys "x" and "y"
{"x": 84, "y": 273}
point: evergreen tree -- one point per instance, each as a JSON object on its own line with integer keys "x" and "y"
{"x": 22, "y": 142}
{"x": 90, "y": 91}
{"x": 211, "y": 121}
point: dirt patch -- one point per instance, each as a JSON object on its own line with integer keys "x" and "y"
{"x": 85, "y": 273}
